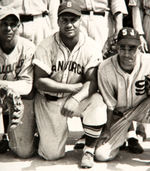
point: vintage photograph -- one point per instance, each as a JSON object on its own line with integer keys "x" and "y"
{"x": 74, "y": 85}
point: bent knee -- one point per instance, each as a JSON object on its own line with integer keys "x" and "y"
{"x": 51, "y": 154}
{"x": 23, "y": 153}
{"x": 102, "y": 154}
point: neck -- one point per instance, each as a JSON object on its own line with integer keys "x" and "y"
{"x": 8, "y": 46}
{"x": 70, "y": 43}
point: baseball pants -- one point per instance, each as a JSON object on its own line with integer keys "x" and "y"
{"x": 36, "y": 30}
{"x": 119, "y": 129}
{"x": 52, "y": 125}
{"x": 21, "y": 139}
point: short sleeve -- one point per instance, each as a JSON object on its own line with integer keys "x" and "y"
{"x": 118, "y": 6}
{"x": 105, "y": 86}
{"x": 135, "y": 3}
{"x": 42, "y": 58}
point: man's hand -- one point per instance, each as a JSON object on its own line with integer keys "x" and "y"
{"x": 144, "y": 46}
{"x": 70, "y": 107}
{"x": 104, "y": 137}
{"x": 77, "y": 87}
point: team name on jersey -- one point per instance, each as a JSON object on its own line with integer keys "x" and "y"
{"x": 5, "y": 69}
{"x": 69, "y": 65}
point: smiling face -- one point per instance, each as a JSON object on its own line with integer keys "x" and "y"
{"x": 8, "y": 28}
{"x": 69, "y": 25}
{"x": 127, "y": 56}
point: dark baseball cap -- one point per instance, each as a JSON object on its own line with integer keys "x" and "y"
{"x": 4, "y": 12}
{"x": 69, "y": 7}
{"x": 129, "y": 36}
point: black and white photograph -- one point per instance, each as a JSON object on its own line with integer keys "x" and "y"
{"x": 74, "y": 85}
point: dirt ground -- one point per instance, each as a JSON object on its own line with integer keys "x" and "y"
{"x": 125, "y": 161}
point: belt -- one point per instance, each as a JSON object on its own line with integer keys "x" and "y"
{"x": 92, "y": 12}
{"x": 51, "y": 98}
{"x": 26, "y": 18}
{"x": 118, "y": 113}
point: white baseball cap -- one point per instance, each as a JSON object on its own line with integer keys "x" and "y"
{"x": 4, "y": 12}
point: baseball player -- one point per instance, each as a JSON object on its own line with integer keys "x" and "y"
{"x": 38, "y": 18}
{"x": 141, "y": 21}
{"x": 101, "y": 18}
{"x": 16, "y": 72}
{"x": 121, "y": 80}
{"x": 65, "y": 78}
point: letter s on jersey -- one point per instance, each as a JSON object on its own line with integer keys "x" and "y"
{"x": 140, "y": 87}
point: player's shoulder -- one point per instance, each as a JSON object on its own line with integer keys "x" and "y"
{"x": 145, "y": 58}
{"x": 47, "y": 42}
{"x": 24, "y": 43}
{"x": 88, "y": 41}
{"x": 108, "y": 63}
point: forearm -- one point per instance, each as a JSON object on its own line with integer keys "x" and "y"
{"x": 23, "y": 87}
{"x": 109, "y": 119}
{"x": 88, "y": 89}
{"x": 137, "y": 19}
{"x": 118, "y": 22}
{"x": 49, "y": 85}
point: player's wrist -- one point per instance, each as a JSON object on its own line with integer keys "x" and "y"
{"x": 73, "y": 97}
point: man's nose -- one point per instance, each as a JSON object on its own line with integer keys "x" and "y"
{"x": 126, "y": 52}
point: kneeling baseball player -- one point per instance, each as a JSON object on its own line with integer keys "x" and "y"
{"x": 65, "y": 78}
{"x": 121, "y": 80}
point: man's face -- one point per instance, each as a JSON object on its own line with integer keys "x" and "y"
{"x": 127, "y": 56}
{"x": 8, "y": 28}
{"x": 69, "y": 25}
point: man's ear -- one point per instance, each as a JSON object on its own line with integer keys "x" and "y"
{"x": 18, "y": 25}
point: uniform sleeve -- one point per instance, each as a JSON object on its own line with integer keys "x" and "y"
{"x": 106, "y": 87}
{"x": 118, "y": 6}
{"x": 41, "y": 59}
{"x": 94, "y": 56}
{"x": 24, "y": 72}
{"x": 135, "y": 3}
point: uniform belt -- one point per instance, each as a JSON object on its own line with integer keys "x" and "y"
{"x": 26, "y": 18}
{"x": 92, "y": 12}
{"x": 51, "y": 98}
{"x": 118, "y": 113}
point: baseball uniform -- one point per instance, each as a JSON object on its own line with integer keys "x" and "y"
{"x": 38, "y": 18}
{"x": 97, "y": 19}
{"x": 123, "y": 93}
{"x": 64, "y": 66}
{"x": 17, "y": 72}
{"x": 144, "y": 7}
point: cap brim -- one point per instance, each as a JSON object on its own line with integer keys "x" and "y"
{"x": 75, "y": 12}
{"x": 128, "y": 41}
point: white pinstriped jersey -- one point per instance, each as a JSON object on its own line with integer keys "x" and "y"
{"x": 16, "y": 67}
{"x": 119, "y": 89}
{"x": 141, "y": 3}
{"x": 64, "y": 66}
{"x": 102, "y": 5}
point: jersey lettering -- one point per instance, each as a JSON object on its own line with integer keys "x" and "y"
{"x": 140, "y": 87}
{"x": 70, "y": 65}
{"x": 5, "y": 69}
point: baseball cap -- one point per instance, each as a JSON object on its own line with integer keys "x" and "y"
{"x": 69, "y": 7}
{"x": 4, "y": 12}
{"x": 129, "y": 36}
